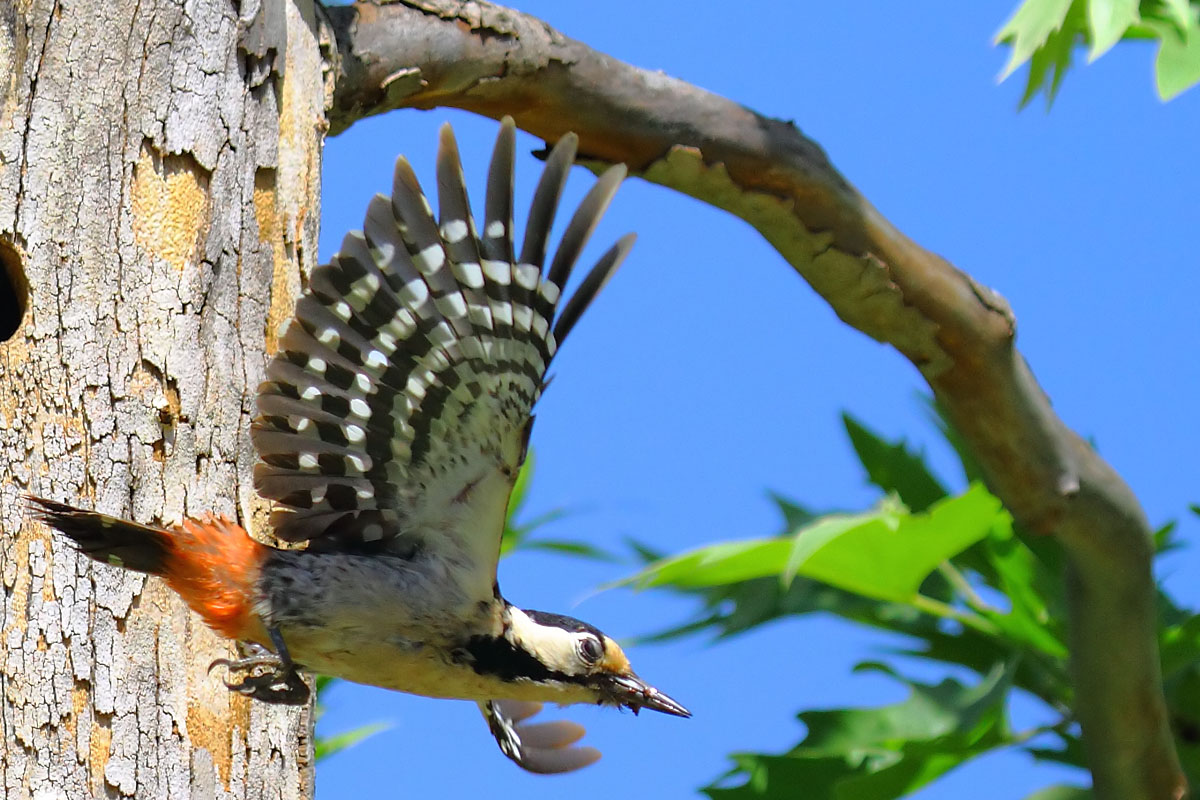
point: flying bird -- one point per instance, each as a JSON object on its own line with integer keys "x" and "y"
{"x": 396, "y": 415}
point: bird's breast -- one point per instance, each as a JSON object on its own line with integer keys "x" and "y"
{"x": 423, "y": 668}
{"x": 385, "y": 622}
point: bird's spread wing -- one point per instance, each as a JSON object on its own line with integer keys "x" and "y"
{"x": 398, "y": 407}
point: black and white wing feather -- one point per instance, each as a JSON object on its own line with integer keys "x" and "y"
{"x": 397, "y": 410}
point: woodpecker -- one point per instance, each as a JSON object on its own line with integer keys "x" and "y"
{"x": 390, "y": 430}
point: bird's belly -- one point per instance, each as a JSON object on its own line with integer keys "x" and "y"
{"x": 387, "y": 622}
{"x": 402, "y": 665}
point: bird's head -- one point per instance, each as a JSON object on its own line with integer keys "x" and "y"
{"x": 578, "y": 663}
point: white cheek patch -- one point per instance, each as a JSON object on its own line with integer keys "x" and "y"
{"x": 558, "y": 649}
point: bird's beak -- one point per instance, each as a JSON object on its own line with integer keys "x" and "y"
{"x": 633, "y": 693}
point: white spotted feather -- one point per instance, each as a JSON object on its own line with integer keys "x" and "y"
{"x": 397, "y": 410}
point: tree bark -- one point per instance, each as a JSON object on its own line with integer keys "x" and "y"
{"x": 159, "y": 175}
{"x": 494, "y": 61}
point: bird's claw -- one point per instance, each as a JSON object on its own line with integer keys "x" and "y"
{"x": 266, "y": 677}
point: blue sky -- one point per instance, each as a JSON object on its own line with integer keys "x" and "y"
{"x": 709, "y": 373}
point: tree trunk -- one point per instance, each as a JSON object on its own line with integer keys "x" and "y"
{"x": 159, "y": 175}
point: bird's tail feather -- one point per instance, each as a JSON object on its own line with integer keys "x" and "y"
{"x": 108, "y": 539}
{"x": 211, "y": 562}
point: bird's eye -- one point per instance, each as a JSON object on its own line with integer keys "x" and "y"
{"x": 590, "y": 649}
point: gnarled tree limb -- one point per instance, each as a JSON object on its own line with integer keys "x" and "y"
{"x": 494, "y": 61}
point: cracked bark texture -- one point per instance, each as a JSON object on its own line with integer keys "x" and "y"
{"x": 159, "y": 170}
{"x": 494, "y": 61}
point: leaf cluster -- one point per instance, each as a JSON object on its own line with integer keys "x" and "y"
{"x": 949, "y": 571}
{"x": 1045, "y": 33}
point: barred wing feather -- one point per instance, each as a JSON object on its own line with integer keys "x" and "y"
{"x": 397, "y": 410}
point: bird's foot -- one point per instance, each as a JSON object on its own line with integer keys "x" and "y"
{"x": 544, "y": 747}
{"x": 264, "y": 676}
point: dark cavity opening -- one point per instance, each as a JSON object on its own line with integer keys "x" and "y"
{"x": 14, "y": 290}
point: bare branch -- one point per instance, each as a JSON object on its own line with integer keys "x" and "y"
{"x": 495, "y": 61}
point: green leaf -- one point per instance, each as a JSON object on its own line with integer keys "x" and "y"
{"x": 1108, "y": 20}
{"x": 930, "y": 712}
{"x": 1177, "y": 66}
{"x": 970, "y": 465}
{"x": 1053, "y": 57}
{"x": 1043, "y": 678}
{"x": 1021, "y": 575}
{"x": 734, "y": 608}
{"x": 717, "y": 564}
{"x": 887, "y": 555}
{"x": 1183, "y": 704}
{"x": 321, "y": 684}
{"x": 1179, "y": 645}
{"x": 516, "y": 535}
{"x": 1029, "y": 28}
{"x": 1071, "y": 753}
{"x": 1045, "y": 32}
{"x": 917, "y": 764}
{"x": 838, "y": 548}
{"x": 1024, "y": 631}
{"x": 513, "y": 533}
{"x": 516, "y": 499}
{"x": 935, "y": 730}
{"x": 893, "y": 468}
{"x": 643, "y": 551}
{"x": 794, "y": 514}
{"x": 1179, "y": 13}
{"x": 325, "y": 746}
{"x": 570, "y": 547}
{"x": 884, "y": 554}
{"x": 1165, "y": 539}
{"x": 779, "y": 776}
{"x": 885, "y": 752}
